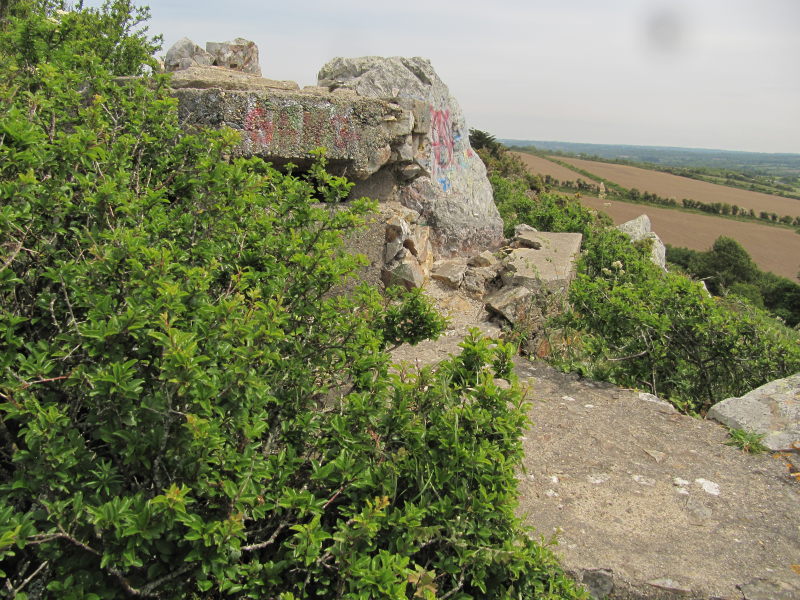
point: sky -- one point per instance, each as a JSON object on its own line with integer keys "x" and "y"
{"x": 696, "y": 73}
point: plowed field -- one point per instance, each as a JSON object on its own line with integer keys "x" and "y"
{"x": 673, "y": 186}
{"x": 542, "y": 166}
{"x": 775, "y": 249}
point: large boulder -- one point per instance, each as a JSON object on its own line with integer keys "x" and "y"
{"x": 772, "y": 410}
{"x": 447, "y": 181}
{"x": 639, "y": 229}
{"x": 543, "y": 260}
{"x": 535, "y": 275}
{"x": 184, "y": 54}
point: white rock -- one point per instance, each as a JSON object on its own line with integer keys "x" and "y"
{"x": 709, "y": 487}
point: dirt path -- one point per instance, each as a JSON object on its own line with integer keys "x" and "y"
{"x": 652, "y": 504}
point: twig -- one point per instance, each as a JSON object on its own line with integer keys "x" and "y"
{"x": 455, "y": 589}
{"x": 148, "y": 589}
{"x": 264, "y": 544}
{"x": 28, "y": 579}
{"x": 11, "y": 258}
{"x": 637, "y": 355}
{"x": 27, "y": 384}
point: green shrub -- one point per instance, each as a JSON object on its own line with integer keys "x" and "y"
{"x": 635, "y": 325}
{"x": 186, "y": 409}
{"x": 546, "y": 211}
{"x": 410, "y": 318}
{"x": 664, "y": 334}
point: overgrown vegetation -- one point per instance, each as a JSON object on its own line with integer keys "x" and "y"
{"x": 631, "y": 323}
{"x": 727, "y": 269}
{"x": 186, "y": 409}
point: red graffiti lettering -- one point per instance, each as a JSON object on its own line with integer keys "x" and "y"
{"x": 442, "y": 139}
{"x": 259, "y": 127}
{"x": 343, "y": 132}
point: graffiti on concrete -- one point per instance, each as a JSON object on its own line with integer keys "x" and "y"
{"x": 447, "y": 148}
{"x": 295, "y": 130}
{"x": 259, "y": 127}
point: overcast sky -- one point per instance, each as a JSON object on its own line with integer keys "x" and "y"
{"x": 696, "y": 73}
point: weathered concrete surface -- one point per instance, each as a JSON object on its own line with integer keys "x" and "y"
{"x": 772, "y": 410}
{"x": 550, "y": 266}
{"x": 639, "y": 229}
{"x": 240, "y": 55}
{"x": 284, "y": 126}
{"x": 388, "y": 124}
{"x": 651, "y": 504}
{"x": 206, "y": 77}
{"x": 451, "y": 189}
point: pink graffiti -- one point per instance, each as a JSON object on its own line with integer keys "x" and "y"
{"x": 258, "y": 126}
{"x": 442, "y": 139}
{"x": 343, "y": 132}
{"x": 262, "y": 127}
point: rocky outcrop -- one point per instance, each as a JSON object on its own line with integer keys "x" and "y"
{"x": 639, "y": 229}
{"x": 773, "y": 410}
{"x": 407, "y": 253}
{"x": 184, "y": 54}
{"x": 239, "y": 55}
{"x": 649, "y": 504}
{"x": 439, "y": 175}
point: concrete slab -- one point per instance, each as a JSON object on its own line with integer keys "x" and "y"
{"x": 552, "y": 265}
{"x": 649, "y": 504}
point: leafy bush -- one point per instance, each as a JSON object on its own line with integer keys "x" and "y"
{"x": 728, "y": 269}
{"x": 633, "y": 324}
{"x": 665, "y": 334}
{"x": 546, "y": 211}
{"x": 410, "y": 318}
{"x": 186, "y": 409}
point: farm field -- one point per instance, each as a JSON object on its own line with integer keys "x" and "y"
{"x": 775, "y": 249}
{"x": 673, "y": 186}
{"x": 542, "y": 166}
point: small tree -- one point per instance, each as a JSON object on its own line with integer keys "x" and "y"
{"x": 726, "y": 263}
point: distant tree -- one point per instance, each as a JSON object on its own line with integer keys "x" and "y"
{"x": 725, "y": 264}
{"x": 482, "y": 140}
